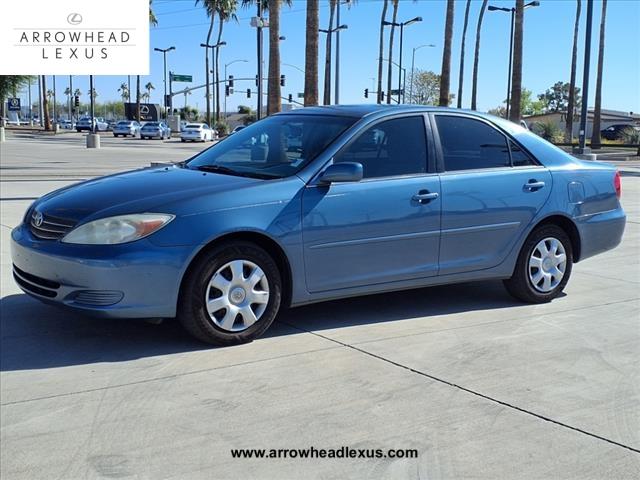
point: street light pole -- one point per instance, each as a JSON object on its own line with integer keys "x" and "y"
{"x": 164, "y": 58}
{"x": 259, "y": 41}
{"x": 401, "y": 25}
{"x": 413, "y": 63}
{"x": 225, "y": 82}
{"x": 335, "y": 30}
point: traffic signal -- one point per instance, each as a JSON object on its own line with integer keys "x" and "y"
{"x": 382, "y": 96}
{"x": 231, "y": 81}
{"x": 290, "y": 98}
{"x": 228, "y": 90}
{"x": 366, "y": 93}
{"x": 76, "y": 101}
{"x": 282, "y": 82}
{"x": 256, "y": 80}
{"x": 248, "y": 93}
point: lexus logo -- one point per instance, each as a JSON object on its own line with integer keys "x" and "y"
{"x": 74, "y": 19}
{"x": 144, "y": 109}
{"x": 38, "y": 219}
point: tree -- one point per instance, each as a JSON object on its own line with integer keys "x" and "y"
{"x": 516, "y": 74}
{"x": 124, "y": 91}
{"x": 476, "y": 58}
{"x": 571, "y": 104}
{"x": 311, "y": 54}
{"x": 226, "y": 10}
{"x": 528, "y": 106}
{"x": 244, "y": 109}
{"x": 148, "y": 87}
{"x": 383, "y": 18}
{"x": 464, "y": 34}
{"x": 274, "y": 95}
{"x": 596, "y": 141}
{"x": 9, "y": 85}
{"x": 326, "y": 98}
{"x": 556, "y": 98}
{"x": 210, "y": 8}
{"x": 45, "y": 104}
{"x": 445, "y": 75}
{"x": 152, "y": 21}
{"x": 426, "y": 87}
{"x": 390, "y": 53}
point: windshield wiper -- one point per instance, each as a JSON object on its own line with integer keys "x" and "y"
{"x": 229, "y": 171}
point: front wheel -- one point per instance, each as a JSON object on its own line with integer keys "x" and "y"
{"x": 232, "y": 295}
{"x": 544, "y": 266}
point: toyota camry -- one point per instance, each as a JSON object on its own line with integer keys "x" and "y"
{"x": 373, "y": 199}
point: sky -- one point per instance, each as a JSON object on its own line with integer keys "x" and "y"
{"x": 547, "y": 50}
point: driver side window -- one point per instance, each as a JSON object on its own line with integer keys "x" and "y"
{"x": 390, "y": 148}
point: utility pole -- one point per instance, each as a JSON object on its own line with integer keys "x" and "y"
{"x": 337, "y": 79}
{"x": 259, "y": 42}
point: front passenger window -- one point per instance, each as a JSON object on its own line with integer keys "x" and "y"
{"x": 389, "y": 148}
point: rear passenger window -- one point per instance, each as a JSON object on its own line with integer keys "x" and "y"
{"x": 518, "y": 157}
{"x": 392, "y": 147}
{"x": 469, "y": 144}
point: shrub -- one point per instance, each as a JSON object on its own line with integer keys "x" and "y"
{"x": 549, "y": 131}
{"x": 222, "y": 128}
{"x": 631, "y": 135}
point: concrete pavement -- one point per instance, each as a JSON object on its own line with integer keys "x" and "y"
{"x": 482, "y": 386}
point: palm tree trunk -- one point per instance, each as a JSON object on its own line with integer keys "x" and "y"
{"x": 45, "y": 104}
{"x": 516, "y": 76}
{"x": 326, "y": 98}
{"x": 445, "y": 76}
{"x": 476, "y": 58}
{"x": 464, "y": 34}
{"x": 206, "y": 67}
{"x": 138, "y": 98}
{"x": 383, "y": 17}
{"x": 595, "y": 131}
{"x": 217, "y": 67}
{"x": 311, "y": 54}
{"x": 390, "y": 53}
{"x": 568, "y": 134}
{"x": 274, "y": 96}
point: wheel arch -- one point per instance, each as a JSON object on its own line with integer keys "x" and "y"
{"x": 271, "y": 246}
{"x": 570, "y": 228}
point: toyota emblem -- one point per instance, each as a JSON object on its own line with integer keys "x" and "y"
{"x": 38, "y": 219}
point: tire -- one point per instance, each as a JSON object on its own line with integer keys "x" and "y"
{"x": 192, "y": 309}
{"x": 182, "y": 140}
{"x": 524, "y": 284}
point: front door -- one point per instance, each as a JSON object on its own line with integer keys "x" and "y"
{"x": 384, "y": 228}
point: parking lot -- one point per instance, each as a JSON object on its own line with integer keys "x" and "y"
{"x": 480, "y": 385}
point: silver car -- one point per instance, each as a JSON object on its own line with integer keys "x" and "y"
{"x": 126, "y": 127}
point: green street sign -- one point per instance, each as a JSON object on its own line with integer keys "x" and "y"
{"x": 300, "y": 94}
{"x": 181, "y": 78}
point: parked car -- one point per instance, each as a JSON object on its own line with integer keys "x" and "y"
{"x": 155, "y": 130}
{"x": 67, "y": 124}
{"x": 126, "y": 127}
{"x": 200, "y": 132}
{"x": 236, "y": 129}
{"x": 246, "y": 227}
{"x": 183, "y": 125}
{"x": 111, "y": 124}
{"x": 84, "y": 123}
{"x": 615, "y": 132}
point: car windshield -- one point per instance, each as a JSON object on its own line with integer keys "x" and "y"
{"x": 152, "y": 124}
{"x": 276, "y": 147}
{"x": 193, "y": 125}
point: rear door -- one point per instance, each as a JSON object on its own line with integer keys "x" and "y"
{"x": 491, "y": 191}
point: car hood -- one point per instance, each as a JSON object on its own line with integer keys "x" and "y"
{"x": 136, "y": 192}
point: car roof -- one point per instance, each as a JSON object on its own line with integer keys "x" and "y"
{"x": 365, "y": 110}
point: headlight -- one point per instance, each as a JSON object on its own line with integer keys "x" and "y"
{"x": 120, "y": 229}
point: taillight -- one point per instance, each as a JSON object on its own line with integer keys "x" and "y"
{"x": 617, "y": 184}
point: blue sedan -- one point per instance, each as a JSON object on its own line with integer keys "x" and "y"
{"x": 372, "y": 199}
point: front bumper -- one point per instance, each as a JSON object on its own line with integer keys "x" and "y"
{"x": 133, "y": 280}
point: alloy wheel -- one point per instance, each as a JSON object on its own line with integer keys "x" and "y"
{"x": 547, "y": 264}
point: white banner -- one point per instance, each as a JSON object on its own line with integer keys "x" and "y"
{"x": 74, "y": 37}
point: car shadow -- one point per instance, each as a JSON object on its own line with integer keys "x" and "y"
{"x": 37, "y": 336}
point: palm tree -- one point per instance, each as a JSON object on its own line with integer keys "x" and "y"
{"x": 568, "y": 134}
{"x": 383, "y": 18}
{"x": 326, "y": 100}
{"x": 445, "y": 75}
{"x": 45, "y": 104}
{"x": 476, "y": 58}
{"x": 595, "y": 131}
{"x": 311, "y": 54}
{"x": 152, "y": 17}
{"x": 152, "y": 21}
{"x": 390, "y": 52}
{"x": 124, "y": 91}
{"x": 516, "y": 75}
{"x": 226, "y": 10}
{"x": 145, "y": 96}
{"x": 464, "y": 34}
{"x": 148, "y": 87}
{"x": 93, "y": 93}
{"x": 274, "y": 95}
{"x": 210, "y": 7}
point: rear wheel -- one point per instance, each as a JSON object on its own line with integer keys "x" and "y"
{"x": 544, "y": 266}
{"x": 232, "y": 295}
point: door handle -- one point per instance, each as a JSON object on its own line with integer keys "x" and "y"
{"x": 424, "y": 196}
{"x": 532, "y": 185}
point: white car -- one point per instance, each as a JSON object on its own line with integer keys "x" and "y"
{"x": 126, "y": 127}
{"x": 85, "y": 124}
{"x": 197, "y": 132}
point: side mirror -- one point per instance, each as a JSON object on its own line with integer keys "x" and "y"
{"x": 342, "y": 172}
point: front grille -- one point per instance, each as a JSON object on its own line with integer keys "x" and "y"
{"x": 51, "y": 228}
{"x": 32, "y": 283}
